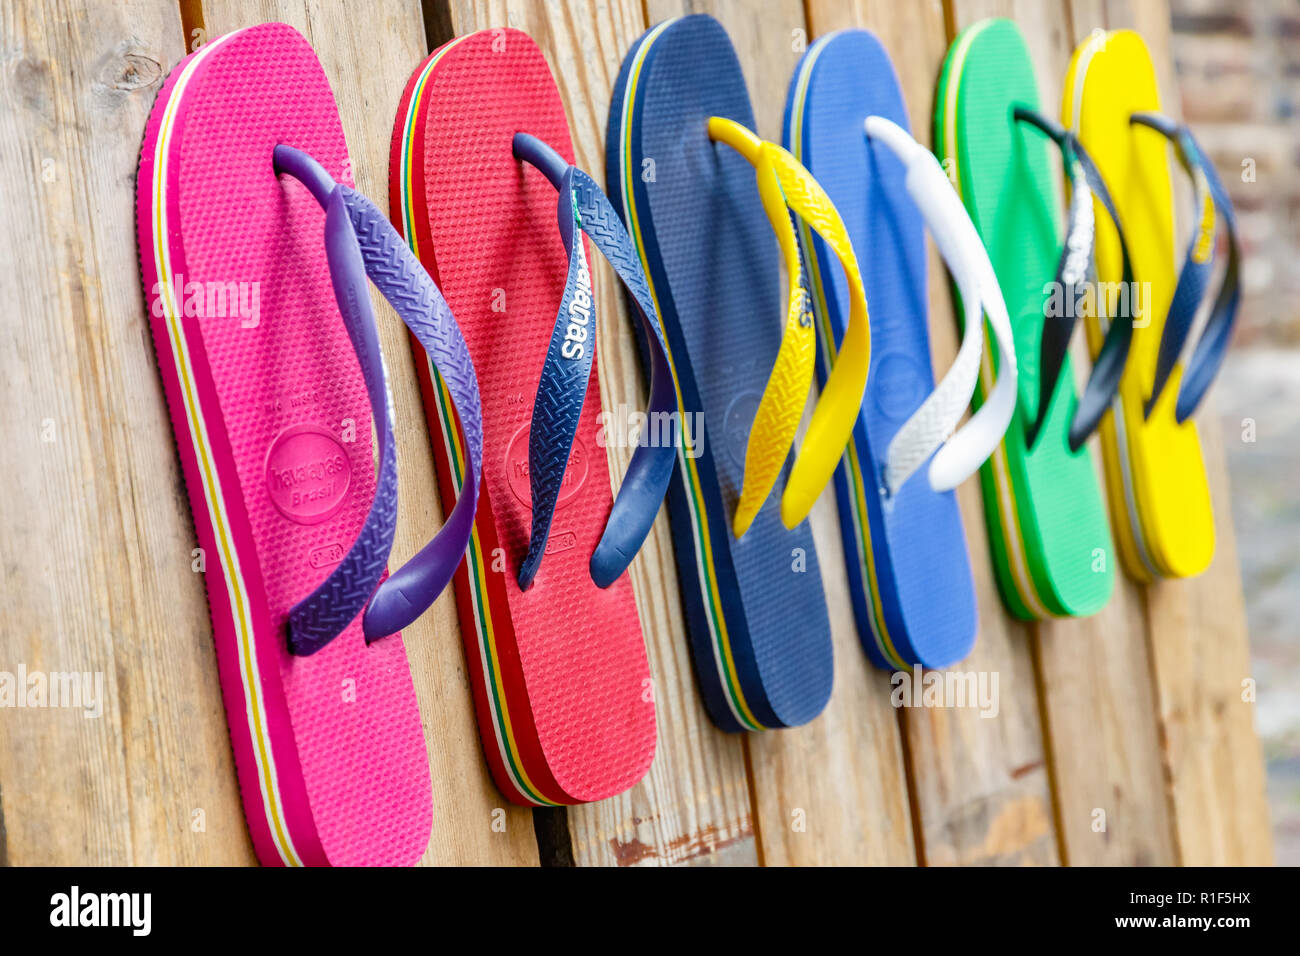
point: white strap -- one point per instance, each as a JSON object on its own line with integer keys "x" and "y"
{"x": 931, "y": 426}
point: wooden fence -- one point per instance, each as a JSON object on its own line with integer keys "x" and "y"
{"x": 1133, "y": 718}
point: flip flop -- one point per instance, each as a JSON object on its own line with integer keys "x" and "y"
{"x": 680, "y": 149}
{"x": 256, "y": 261}
{"x": 1155, "y": 475}
{"x": 556, "y": 657}
{"x": 846, "y": 122}
{"x": 1047, "y": 527}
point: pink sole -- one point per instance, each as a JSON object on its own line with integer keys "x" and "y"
{"x": 329, "y": 748}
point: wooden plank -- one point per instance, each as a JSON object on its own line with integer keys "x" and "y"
{"x": 1141, "y": 706}
{"x": 833, "y": 791}
{"x": 1098, "y": 702}
{"x": 1093, "y": 693}
{"x": 694, "y": 804}
{"x": 979, "y": 785}
{"x": 472, "y": 824}
{"x": 1199, "y": 645}
{"x": 95, "y": 532}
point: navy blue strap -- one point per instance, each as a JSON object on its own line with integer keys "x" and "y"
{"x": 567, "y": 370}
{"x": 1194, "y": 279}
{"x": 1076, "y": 267}
{"x": 356, "y": 245}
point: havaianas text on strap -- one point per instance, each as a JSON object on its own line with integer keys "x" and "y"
{"x": 567, "y": 370}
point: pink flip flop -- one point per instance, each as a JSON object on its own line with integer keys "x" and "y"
{"x": 255, "y": 261}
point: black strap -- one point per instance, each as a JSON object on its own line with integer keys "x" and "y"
{"x": 1076, "y": 269}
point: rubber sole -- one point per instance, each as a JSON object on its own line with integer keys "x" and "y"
{"x": 1161, "y": 512}
{"x": 1048, "y": 531}
{"x": 760, "y": 635}
{"x": 560, "y": 676}
{"x": 897, "y": 549}
{"x": 273, "y": 430}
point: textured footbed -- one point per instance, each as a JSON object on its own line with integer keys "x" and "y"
{"x": 896, "y": 550}
{"x": 756, "y": 613}
{"x": 329, "y": 748}
{"x": 1047, "y": 498}
{"x": 1155, "y": 476}
{"x": 560, "y": 672}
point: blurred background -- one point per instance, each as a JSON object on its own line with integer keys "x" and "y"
{"x": 1238, "y": 65}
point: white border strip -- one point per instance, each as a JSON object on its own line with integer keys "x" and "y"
{"x": 255, "y": 711}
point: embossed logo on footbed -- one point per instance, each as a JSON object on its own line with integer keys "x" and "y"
{"x": 736, "y": 424}
{"x": 307, "y": 473}
{"x": 517, "y": 470}
{"x": 898, "y": 386}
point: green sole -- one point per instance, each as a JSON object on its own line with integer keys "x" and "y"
{"x": 1048, "y": 529}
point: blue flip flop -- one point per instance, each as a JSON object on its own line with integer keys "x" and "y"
{"x": 909, "y": 568}
{"x": 760, "y": 635}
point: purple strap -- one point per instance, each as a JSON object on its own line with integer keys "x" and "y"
{"x": 397, "y": 273}
{"x": 359, "y": 242}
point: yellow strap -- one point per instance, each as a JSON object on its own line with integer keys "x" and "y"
{"x": 784, "y": 185}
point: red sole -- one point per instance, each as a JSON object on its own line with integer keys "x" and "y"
{"x": 560, "y": 675}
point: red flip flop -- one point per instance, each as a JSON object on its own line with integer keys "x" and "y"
{"x": 553, "y": 640}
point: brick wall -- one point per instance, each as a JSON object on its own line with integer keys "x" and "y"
{"x": 1238, "y": 67}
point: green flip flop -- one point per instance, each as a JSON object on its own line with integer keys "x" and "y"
{"x": 1048, "y": 531}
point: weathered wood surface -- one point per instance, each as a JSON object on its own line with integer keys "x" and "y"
{"x": 95, "y": 529}
{"x": 1095, "y": 690}
{"x": 1137, "y": 712}
{"x": 1199, "y": 646}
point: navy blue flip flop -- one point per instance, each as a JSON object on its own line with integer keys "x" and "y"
{"x": 759, "y": 630}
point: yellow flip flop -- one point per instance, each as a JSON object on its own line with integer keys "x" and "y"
{"x": 1155, "y": 477}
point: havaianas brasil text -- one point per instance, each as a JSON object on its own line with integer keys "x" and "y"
{"x": 624, "y": 427}
{"x": 575, "y": 334}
